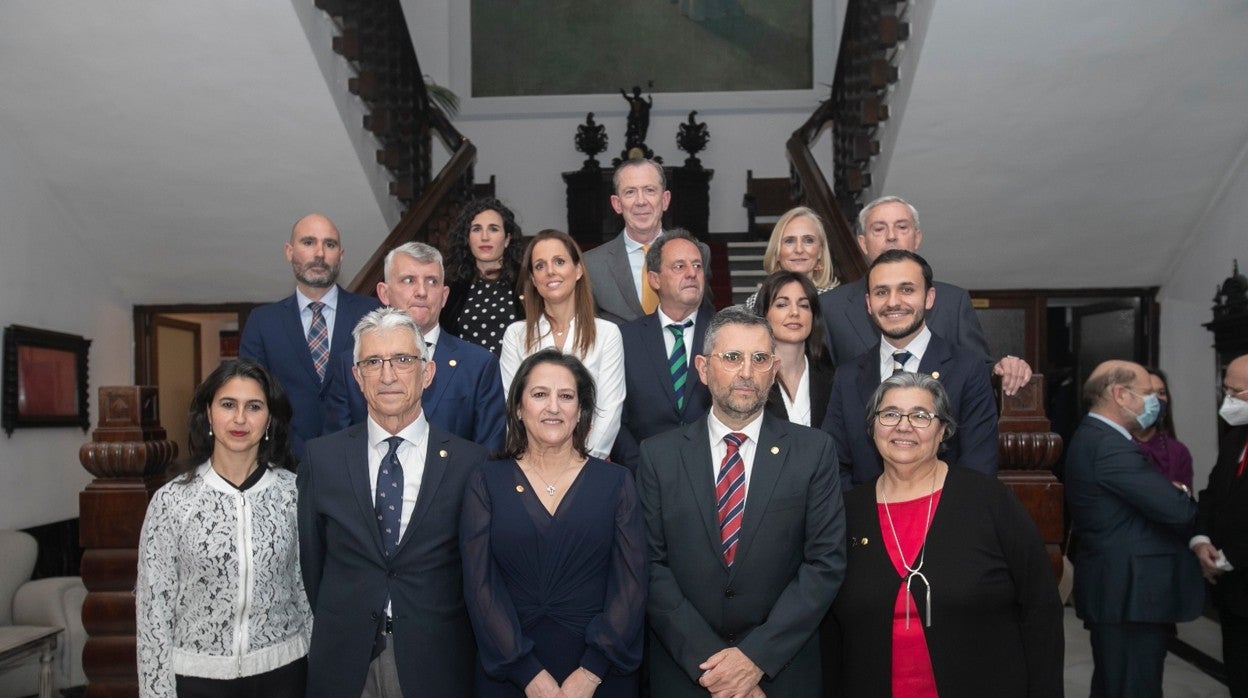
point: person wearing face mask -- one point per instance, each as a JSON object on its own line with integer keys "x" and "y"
{"x": 1133, "y": 574}
{"x": 1169, "y": 455}
{"x": 1221, "y": 540}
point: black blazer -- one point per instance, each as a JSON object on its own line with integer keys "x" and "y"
{"x": 650, "y": 399}
{"x": 1223, "y": 516}
{"x": 274, "y": 337}
{"x": 821, "y": 373}
{"x": 996, "y": 614}
{"x": 790, "y": 558}
{"x": 850, "y": 332}
{"x": 348, "y": 577}
{"x": 1132, "y": 564}
{"x": 965, "y": 377}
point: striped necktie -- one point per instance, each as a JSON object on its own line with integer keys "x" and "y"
{"x": 730, "y": 491}
{"x": 678, "y": 361}
{"x": 318, "y": 339}
{"x": 899, "y": 361}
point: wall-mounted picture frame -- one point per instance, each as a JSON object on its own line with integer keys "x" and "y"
{"x": 45, "y": 379}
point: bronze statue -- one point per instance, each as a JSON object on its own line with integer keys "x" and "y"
{"x": 638, "y": 125}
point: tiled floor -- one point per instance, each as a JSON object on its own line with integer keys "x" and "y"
{"x": 1181, "y": 680}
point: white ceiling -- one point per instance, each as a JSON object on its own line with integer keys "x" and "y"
{"x": 1090, "y": 136}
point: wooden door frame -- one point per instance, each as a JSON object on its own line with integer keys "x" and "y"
{"x": 193, "y": 328}
{"x": 145, "y": 336}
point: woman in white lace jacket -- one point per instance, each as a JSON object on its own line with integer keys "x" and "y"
{"x": 221, "y": 609}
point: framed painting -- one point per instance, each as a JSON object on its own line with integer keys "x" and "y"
{"x": 45, "y": 379}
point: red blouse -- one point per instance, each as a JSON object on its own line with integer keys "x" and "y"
{"x": 912, "y": 665}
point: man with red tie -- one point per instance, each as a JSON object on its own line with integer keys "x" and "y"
{"x": 746, "y": 532}
{"x": 1221, "y": 543}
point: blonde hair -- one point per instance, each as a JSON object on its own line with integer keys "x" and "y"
{"x": 823, "y": 275}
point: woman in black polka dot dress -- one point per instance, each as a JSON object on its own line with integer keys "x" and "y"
{"x": 482, "y": 265}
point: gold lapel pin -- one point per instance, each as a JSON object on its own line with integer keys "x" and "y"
{"x": 519, "y": 488}
{"x": 453, "y": 363}
{"x": 442, "y": 453}
{"x": 936, "y": 375}
{"x": 775, "y": 450}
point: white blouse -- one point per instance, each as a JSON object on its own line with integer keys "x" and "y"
{"x": 605, "y": 362}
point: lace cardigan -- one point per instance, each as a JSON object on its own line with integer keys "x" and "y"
{"x": 219, "y": 594}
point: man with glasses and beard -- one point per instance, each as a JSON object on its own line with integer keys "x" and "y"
{"x": 299, "y": 337}
{"x": 745, "y": 529}
{"x": 900, "y": 292}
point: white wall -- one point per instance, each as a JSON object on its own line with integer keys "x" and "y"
{"x": 1186, "y": 301}
{"x": 46, "y": 281}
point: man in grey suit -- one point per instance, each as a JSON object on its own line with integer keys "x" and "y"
{"x": 617, "y": 267}
{"x": 745, "y": 530}
{"x": 1134, "y": 576}
{"x": 891, "y": 223}
{"x": 379, "y": 506}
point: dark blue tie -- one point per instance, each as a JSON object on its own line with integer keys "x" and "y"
{"x": 899, "y": 361}
{"x": 389, "y": 504}
{"x": 678, "y": 362}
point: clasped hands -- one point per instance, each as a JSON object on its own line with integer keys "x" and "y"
{"x": 730, "y": 674}
{"x": 578, "y": 684}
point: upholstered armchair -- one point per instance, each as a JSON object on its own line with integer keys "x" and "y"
{"x": 56, "y": 601}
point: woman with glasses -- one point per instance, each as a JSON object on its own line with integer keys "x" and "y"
{"x": 948, "y": 589}
{"x": 790, "y": 303}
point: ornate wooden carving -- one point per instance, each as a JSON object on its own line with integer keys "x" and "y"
{"x": 128, "y": 455}
{"x": 1027, "y": 453}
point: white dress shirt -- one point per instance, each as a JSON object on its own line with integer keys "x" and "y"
{"x": 605, "y": 362}
{"x": 431, "y": 341}
{"x": 716, "y": 430}
{"x": 917, "y": 348}
{"x": 411, "y": 455}
{"x": 330, "y": 299}
{"x": 798, "y": 408}
{"x": 669, "y": 339}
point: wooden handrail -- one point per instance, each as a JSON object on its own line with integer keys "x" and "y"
{"x": 817, "y": 193}
{"x": 414, "y": 224}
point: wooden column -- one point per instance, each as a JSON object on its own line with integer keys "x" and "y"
{"x": 1028, "y": 451}
{"x": 128, "y": 455}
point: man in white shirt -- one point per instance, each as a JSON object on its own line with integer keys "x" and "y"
{"x": 900, "y": 292}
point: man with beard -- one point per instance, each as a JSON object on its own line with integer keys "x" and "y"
{"x": 746, "y": 532}
{"x": 900, "y": 292}
{"x": 299, "y": 337}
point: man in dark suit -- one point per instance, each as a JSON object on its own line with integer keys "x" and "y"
{"x": 1221, "y": 540}
{"x": 1133, "y": 574}
{"x": 890, "y": 223}
{"x": 900, "y": 294}
{"x": 298, "y": 338}
{"x": 379, "y": 506}
{"x": 658, "y": 349}
{"x": 617, "y": 267}
{"x": 746, "y": 533}
{"x": 466, "y": 394}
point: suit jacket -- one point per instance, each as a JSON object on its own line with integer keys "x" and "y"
{"x": 849, "y": 330}
{"x": 965, "y": 377}
{"x": 650, "y": 399}
{"x": 465, "y": 397}
{"x": 789, "y": 563}
{"x": 1131, "y": 562}
{"x": 1223, "y": 516}
{"x": 615, "y": 286}
{"x": 348, "y": 576}
{"x": 274, "y": 338}
{"x": 820, "y": 392}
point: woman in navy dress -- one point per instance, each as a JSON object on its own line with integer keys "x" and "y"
{"x": 553, "y": 548}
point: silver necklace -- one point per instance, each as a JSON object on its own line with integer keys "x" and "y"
{"x": 914, "y": 571}
{"x": 550, "y": 489}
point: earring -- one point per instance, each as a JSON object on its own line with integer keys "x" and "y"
{"x": 266, "y": 432}
{"x": 210, "y": 431}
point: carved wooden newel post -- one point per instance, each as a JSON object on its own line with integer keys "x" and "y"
{"x": 1027, "y": 453}
{"x": 128, "y": 455}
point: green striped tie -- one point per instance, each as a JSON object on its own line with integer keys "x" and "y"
{"x": 678, "y": 362}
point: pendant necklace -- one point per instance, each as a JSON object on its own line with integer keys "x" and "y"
{"x": 550, "y": 489}
{"x": 914, "y": 571}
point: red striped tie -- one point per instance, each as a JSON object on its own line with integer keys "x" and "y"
{"x": 730, "y": 491}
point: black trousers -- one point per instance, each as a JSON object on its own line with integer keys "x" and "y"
{"x": 1128, "y": 659}
{"x": 1235, "y": 653}
{"x": 288, "y": 681}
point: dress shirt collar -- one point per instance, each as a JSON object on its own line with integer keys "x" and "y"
{"x": 416, "y": 433}
{"x": 431, "y": 341}
{"x": 718, "y": 429}
{"x": 330, "y": 299}
{"x": 1117, "y": 427}
{"x": 631, "y": 245}
{"x": 917, "y": 348}
{"x": 664, "y": 320}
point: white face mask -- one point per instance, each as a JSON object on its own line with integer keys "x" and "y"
{"x": 1234, "y": 411}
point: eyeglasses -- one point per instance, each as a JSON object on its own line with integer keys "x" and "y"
{"x": 759, "y": 360}
{"x": 401, "y": 363}
{"x": 918, "y": 420}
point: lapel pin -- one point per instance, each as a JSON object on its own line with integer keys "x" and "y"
{"x": 775, "y": 450}
{"x": 442, "y": 453}
{"x": 519, "y": 488}
{"x": 936, "y": 375}
{"x": 453, "y": 363}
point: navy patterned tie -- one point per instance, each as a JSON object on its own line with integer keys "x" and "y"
{"x": 899, "y": 361}
{"x": 318, "y": 339}
{"x": 678, "y": 362}
{"x": 389, "y": 506}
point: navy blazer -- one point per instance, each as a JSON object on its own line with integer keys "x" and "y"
{"x": 650, "y": 402}
{"x": 789, "y": 564}
{"x": 274, "y": 337}
{"x": 1132, "y": 525}
{"x": 348, "y": 577}
{"x": 965, "y": 377}
{"x": 1223, "y": 516}
{"x": 848, "y": 330}
{"x": 465, "y": 397}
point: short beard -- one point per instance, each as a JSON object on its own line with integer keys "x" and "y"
{"x": 743, "y": 413}
{"x": 919, "y": 316}
{"x": 330, "y": 278}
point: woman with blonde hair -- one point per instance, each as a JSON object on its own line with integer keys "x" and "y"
{"x": 799, "y": 244}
